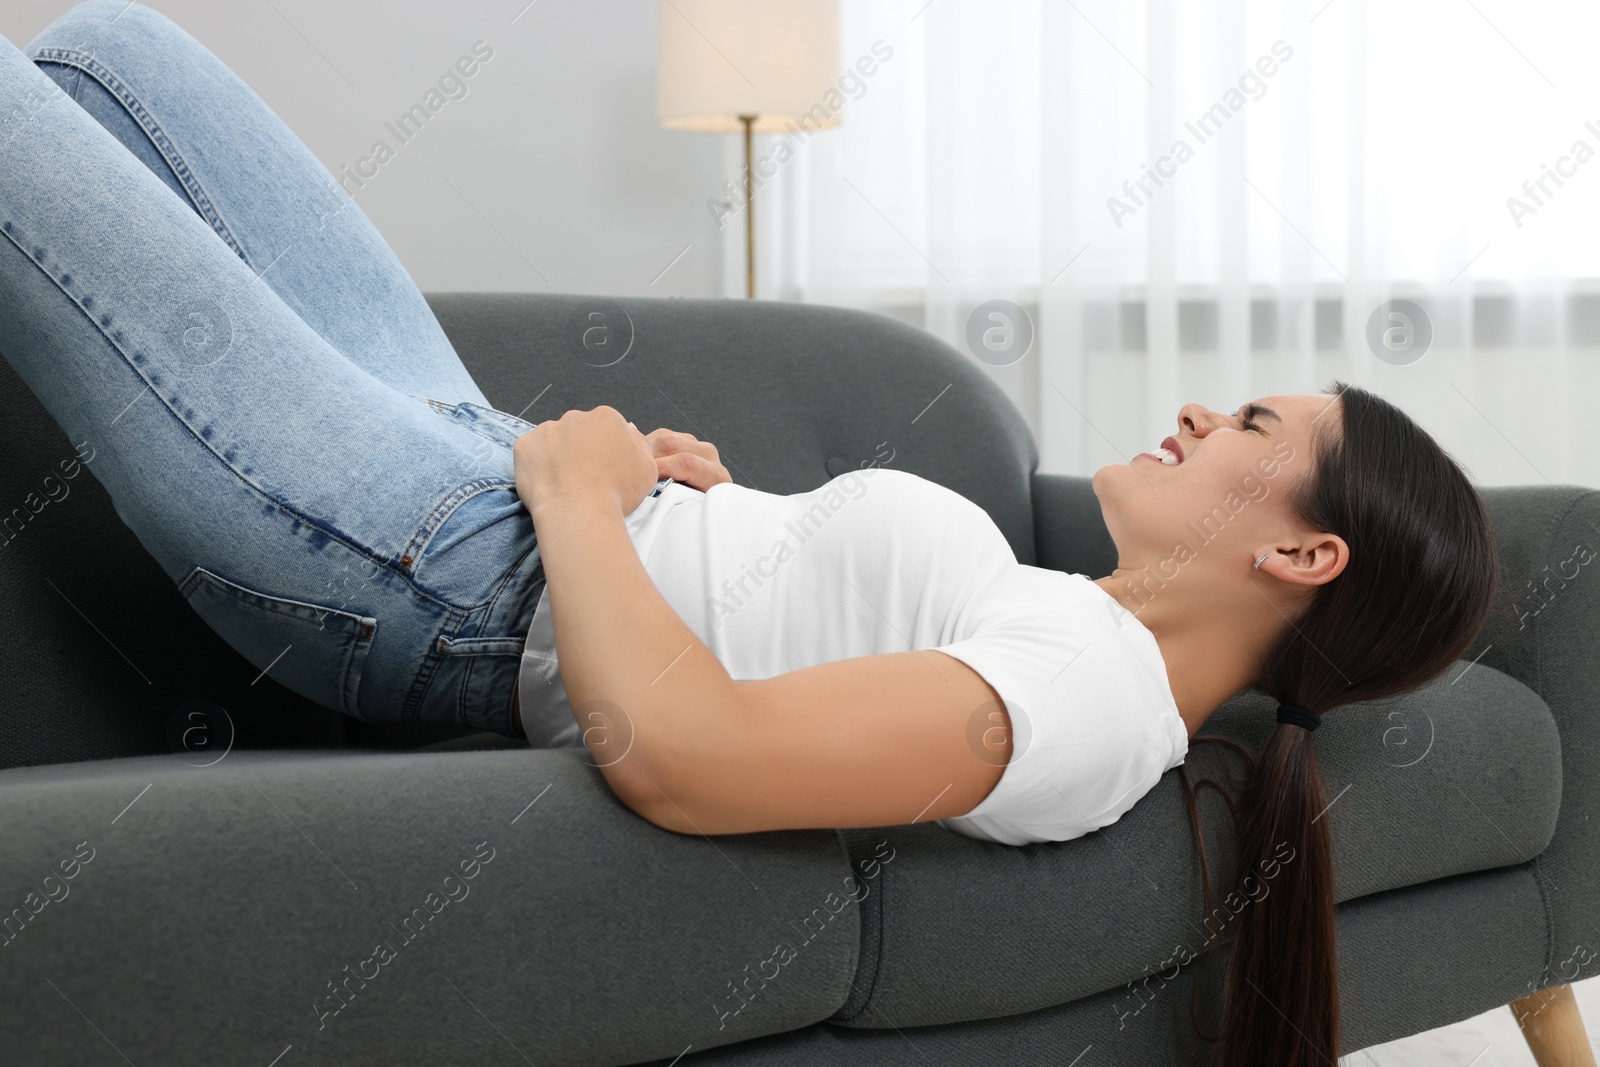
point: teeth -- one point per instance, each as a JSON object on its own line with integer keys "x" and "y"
{"x": 1165, "y": 456}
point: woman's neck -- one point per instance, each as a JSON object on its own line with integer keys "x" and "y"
{"x": 1209, "y": 648}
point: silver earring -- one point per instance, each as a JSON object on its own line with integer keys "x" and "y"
{"x": 1262, "y": 560}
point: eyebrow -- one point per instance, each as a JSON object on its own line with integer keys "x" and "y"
{"x": 1253, "y": 409}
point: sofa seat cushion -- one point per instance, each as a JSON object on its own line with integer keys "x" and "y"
{"x": 380, "y": 907}
{"x": 1462, "y": 776}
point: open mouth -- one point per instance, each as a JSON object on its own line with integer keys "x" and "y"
{"x": 1169, "y": 453}
{"x": 1161, "y": 456}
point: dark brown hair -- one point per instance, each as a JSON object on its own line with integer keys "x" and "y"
{"x": 1415, "y": 593}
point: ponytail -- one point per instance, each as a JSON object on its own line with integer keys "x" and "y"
{"x": 1281, "y": 994}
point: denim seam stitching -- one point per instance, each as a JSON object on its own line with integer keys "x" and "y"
{"x": 495, "y": 417}
{"x": 516, "y": 571}
{"x": 152, "y": 129}
{"x": 431, "y": 662}
{"x": 464, "y": 689}
{"x": 519, "y": 643}
{"x": 267, "y": 602}
{"x": 112, "y": 338}
{"x": 480, "y": 646}
{"x": 490, "y": 416}
{"x": 444, "y": 509}
{"x": 512, "y": 573}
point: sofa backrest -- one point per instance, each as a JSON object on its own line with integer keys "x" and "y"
{"x": 791, "y": 394}
{"x": 101, "y": 657}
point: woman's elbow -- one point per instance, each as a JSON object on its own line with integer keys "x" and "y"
{"x": 664, "y": 807}
{"x": 660, "y": 793}
{"x": 679, "y": 768}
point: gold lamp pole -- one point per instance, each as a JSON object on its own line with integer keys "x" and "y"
{"x": 749, "y": 209}
{"x": 730, "y": 66}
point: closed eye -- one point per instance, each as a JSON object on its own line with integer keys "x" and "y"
{"x": 1248, "y": 412}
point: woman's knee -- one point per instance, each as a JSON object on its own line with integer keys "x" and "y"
{"x": 103, "y": 31}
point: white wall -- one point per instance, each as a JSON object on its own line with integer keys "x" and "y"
{"x": 555, "y": 143}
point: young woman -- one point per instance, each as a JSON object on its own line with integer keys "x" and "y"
{"x": 326, "y": 485}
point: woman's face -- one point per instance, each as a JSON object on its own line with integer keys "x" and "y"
{"x": 1229, "y": 494}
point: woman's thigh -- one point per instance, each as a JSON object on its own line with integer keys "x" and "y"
{"x": 253, "y": 460}
{"x": 218, "y": 146}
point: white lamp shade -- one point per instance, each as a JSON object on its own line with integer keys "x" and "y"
{"x": 775, "y": 59}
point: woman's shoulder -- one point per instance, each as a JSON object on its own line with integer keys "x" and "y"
{"x": 1092, "y": 721}
{"x": 1058, "y": 642}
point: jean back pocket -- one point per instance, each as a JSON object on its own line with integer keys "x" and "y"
{"x": 310, "y": 649}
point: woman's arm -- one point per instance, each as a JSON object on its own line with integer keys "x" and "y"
{"x": 642, "y": 686}
{"x": 882, "y": 740}
{"x": 868, "y": 741}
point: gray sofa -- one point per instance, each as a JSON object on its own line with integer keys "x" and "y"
{"x": 196, "y": 869}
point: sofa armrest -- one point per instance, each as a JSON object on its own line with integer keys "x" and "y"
{"x": 1543, "y": 632}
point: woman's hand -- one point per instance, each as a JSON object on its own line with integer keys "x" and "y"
{"x": 583, "y": 457}
{"x": 680, "y": 457}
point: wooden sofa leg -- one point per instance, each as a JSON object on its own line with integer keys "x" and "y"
{"x": 1553, "y": 1028}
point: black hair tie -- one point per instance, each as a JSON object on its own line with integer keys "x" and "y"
{"x": 1298, "y": 716}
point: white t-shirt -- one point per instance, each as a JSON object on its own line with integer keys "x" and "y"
{"x": 880, "y": 560}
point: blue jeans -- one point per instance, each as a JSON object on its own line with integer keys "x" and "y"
{"x": 255, "y": 380}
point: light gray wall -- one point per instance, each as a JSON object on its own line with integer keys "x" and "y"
{"x": 555, "y": 142}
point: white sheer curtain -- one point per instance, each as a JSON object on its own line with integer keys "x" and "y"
{"x": 1319, "y": 159}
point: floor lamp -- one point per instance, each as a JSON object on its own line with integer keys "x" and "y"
{"x": 747, "y": 66}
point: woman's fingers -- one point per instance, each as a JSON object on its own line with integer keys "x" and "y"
{"x": 692, "y": 469}
{"x": 681, "y": 457}
{"x": 665, "y": 442}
